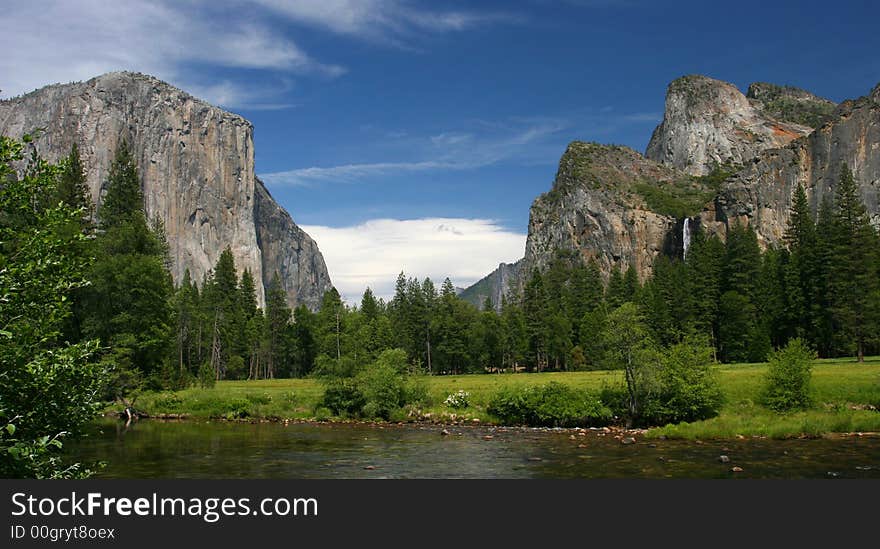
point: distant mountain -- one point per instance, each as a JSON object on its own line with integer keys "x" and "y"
{"x": 718, "y": 157}
{"x": 197, "y": 166}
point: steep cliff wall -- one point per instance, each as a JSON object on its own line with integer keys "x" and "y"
{"x": 597, "y": 208}
{"x": 708, "y": 122}
{"x": 197, "y": 166}
{"x": 761, "y": 193}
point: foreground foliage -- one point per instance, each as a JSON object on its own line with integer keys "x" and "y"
{"x": 49, "y": 388}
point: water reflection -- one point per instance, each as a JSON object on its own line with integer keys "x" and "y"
{"x": 151, "y": 449}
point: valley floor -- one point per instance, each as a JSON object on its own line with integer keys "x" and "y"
{"x": 846, "y": 397}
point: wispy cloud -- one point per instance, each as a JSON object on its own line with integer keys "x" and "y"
{"x": 642, "y": 117}
{"x": 373, "y": 253}
{"x": 61, "y": 41}
{"x": 51, "y": 41}
{"x": 347, "y": 173}
{"x": 444, "y": 151}
{"x": 387, "y": 20}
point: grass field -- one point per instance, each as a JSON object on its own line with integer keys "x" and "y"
{"x": 843, "y": 392}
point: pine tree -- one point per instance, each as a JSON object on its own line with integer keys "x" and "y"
{"x": 451, "y": 330}
{"x": 535, "y": 311}
{"x": 823, "y": 322}
{"x": 127, "y": 306}
{"x": 616, "y": 291}
{"x": 277, "y": 320}
{"x": 305, "y": 347}
{"x": 854, "y": 250}
{"x": 585, "y": 294}
{"x": 124, "y": 197}
{"x": 704, "y": 267}
{"x": 369, "y": 305}
{"x": 247, "y": 290}
{"x": 514, "y": 339}
{"x": 802, "y": 270}
{"x": 227, "y": 315}
{"x": 631, "y": 284}
{"x": 72, "y": 190}
{"x": 743, "y": 261}
{"x": 185, "y": 306}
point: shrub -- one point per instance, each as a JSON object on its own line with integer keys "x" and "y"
{"x": 552, "y": 405}
{"x": 237, "y": 409}
{"x": 787, "y": 385}
{"x": 384, "y": 389}
{"x": 168, "y": 402}
{"x": 377, "y": 391}
{"x": 458, "y": 399}
{"x": 207, "y": 377}
{"x": 686, "y": 389}
{"x": 342, "y": 397}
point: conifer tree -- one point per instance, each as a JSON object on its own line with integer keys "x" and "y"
{"x": 127, "y": 306}
{"x": 854, "y": 251}
{"x": 535, "y": 312}
{"x": 278, "y": 318}
{"x": 802, "y": 270}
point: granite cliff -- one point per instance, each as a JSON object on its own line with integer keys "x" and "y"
{"x": 761, "y": 193}
{"x": 197, "y": 166}
{"x": 719, "y": 156}
{"x": 708, "y": 122}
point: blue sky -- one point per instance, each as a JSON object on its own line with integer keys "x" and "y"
{"x": 416, "y": 125}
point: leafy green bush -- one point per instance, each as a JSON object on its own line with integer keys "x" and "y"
{"x": 377, "y": 391}
{"x": 686, "y": 389}
{"x": 343, "y": 398}
{"x": 682, "y": 388}
{"x": 384, "y": 389}
{"x": 553, "y": 405}
{"x": 787, "y": 385}
{"x": 238, "y": 408}
{"x": 168, "y": 402}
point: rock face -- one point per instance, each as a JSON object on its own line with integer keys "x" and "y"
{"x": 619, "y": 208}
{"x": 495, "y": 285}
{"x": 708, "y": 122}
{"x": 761, "y": 193}
{"x": 599, "y": 209}
{"x": 595, "y": 208}
{"x": 196, "y": 162}
{"x": 288, "y": 252}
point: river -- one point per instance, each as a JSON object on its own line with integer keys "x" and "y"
{"x": 217, "y": 449}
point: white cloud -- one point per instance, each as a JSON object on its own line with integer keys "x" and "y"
{"x": 346, "y": 173}
{"x": 47, "y": 41}
{"x": 373, "y": 253}
{"x": 389, "y": 20}
{"x": 62, "y": 41}
{"x": 448, "y": 151}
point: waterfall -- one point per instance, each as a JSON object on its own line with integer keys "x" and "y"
{"x": 686, "y": 237}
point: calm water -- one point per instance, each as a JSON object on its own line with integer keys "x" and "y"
{"x": 151, "y": 449}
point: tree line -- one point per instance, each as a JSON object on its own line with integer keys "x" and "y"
{"x": 821, "y": 285}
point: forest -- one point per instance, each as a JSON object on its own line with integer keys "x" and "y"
{"x": 90, "y": 314}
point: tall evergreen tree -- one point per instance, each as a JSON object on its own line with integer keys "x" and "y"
{"x": 854, "y": 251}
{"x": 704, "y": 267}
{"x": 823, "y": 328}
{"x": 277, "y": 320}
{"x": 72, "y": 189}
{"x": 127, "y": 305}
{"x": 535, "y": 311}
{"x": 802, "y": 270}
{"x": 124, "y": 197}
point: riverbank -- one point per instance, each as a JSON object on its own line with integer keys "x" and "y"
{"x": 846, "y": 397}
